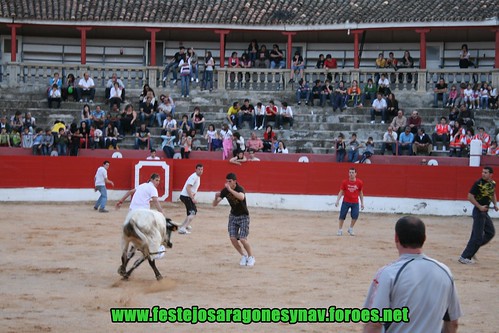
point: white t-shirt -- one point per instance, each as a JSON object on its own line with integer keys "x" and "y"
{"x": 86, "y": 84}
{"x": 143, "y": 195}
{"x": 100, "y": 176}
{"x": 195, "y": 181}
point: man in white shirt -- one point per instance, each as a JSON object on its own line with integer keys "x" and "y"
{"x": 153, "y": 155}
{"x": 285, "y": 115}
{"x": 144, "y": 195}
{"x": 86, "y": 86}
{"x": 188, "y": 197}
{"x": 389, "y": 141}
{"x": 379, "y": 107}
{"x": 101, "y": 180}
{"x": 110, "y": 84}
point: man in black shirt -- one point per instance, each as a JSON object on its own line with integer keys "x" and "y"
{"x": 481, "y": 194}
{"x": 173, "y": 64}
{"x": 239, "y": 219}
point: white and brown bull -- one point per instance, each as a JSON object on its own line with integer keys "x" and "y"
{"x": 149, "y": 232}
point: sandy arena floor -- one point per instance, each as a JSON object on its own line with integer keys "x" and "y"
{"x": 58, "y": 268}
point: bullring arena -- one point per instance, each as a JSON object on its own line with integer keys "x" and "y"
{"x": 59, "y": 263}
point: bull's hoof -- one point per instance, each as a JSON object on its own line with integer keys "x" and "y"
{"x": 159, "y": 277}
{"x": 125, "y": 277}
{"x": 122, "y": 271}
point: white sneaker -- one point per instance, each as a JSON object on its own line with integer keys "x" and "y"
{"x": 339, "y": 233}
{"x": 244, "y": 261}
{"x": 234, "y": 128}
{"x": 81, "y": 100}
{"x": 164, "y": 79}
{"x": 260, "y": 128}
{"x": 197, "y": 80}
{"x": 372, "y": 121}
{"x": 256, "y": 127}
{"x": 192, "y": 79}
{"x": 443, "y": 148}
{"x": 350, "y": 232}
{"x": 382, "y": 121}
{"x": 465, "y": 261}
{"x": 91, "y": 102}
{"x": 251, "y": 261}
{"x": 183, "y": 231}
{"x": 189, "y": 227}
{"x": 187, "y": 96}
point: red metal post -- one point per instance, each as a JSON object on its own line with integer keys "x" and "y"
{"x": 13, "y": 41}
{"x": 496, "y": 63}
{"x": 422, "y": 47}
{"x": 222, "y": 34}
{"x": 152, "y": 56}
{"x": 289, "y": 47}
{"x": 356, "y": 60}
{"x": 83, "y": 31}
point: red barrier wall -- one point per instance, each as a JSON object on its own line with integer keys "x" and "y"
{"x": 406, "y": 181}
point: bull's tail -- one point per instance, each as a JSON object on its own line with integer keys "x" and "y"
{"x": 131, "y": 230}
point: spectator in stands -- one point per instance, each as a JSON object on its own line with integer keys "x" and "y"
{"x": 245, "y": 61}
{"x": 453, "y": 115}
{"x": 168, "y": 144}
{"x": 232, "y": 115}
{"x": 37, "y": 141}
{"x": 453, "y": 95}
{"x": 239, "y": 144}
{"x": 58, "y": 124}
{"x": 370, "y": 90}
{"x": 414, "y": 122}
{"x": 281, "y": 148}
{"x": 185, "y": 146}
{"x": 110, "y": 84}
{"x": 302, "y": 92}
{"x": 464, "y": 57}
{"x": 5, "y": 138}
{"x": 254, "y": 143}
{"x": 29, "y": 121}
{"x": 369, "y": 151}
{"x": 246, "y": 113}
{"x": 468, "y": 99}
{"x": 493, "y": 98}
{"x": 392, "y": 105}
{"x": 466, "y": 117}
{"x": 484, "y": 96}
{"x": 285, "y": 116}
{"x": 340, "y": 147}
{"x": 213, "y": 138}
{"x": 111, "y": 136}
{"x": 165, "y": 107}
{"x": 379, "y": 107}
{"x": 61, "y": 141}
{"x": 268, "y": 137}
{"x": 252, "y": 157}
{"x": 253, "y": 50}
{"x": 209, "y": 65}
{"x": 185, "y": 76}
{"x": 74, "y": 137}
{"x": 47, "y": 142}
{"x": 143, "y": 93}
{"x": 86, "y": 87}
{"x": 391, "y": 62}
{"x": 406, "y": 139}
{"x": 389, "y": 141}
{"x": 233, "y": 61}
{"x": 422, "y": 143}
{"x": 142, "y": 137}
{"x": 170, "y": 124}
{"x": 86, "y": 115}
{"x": 54, "y": 96}
{"x": 263, "y": 58}
{"x": 226, "y": 135}
{"x": 440, "y": 92}
{"x": 69, "y": 88}
{"x": 55, "y": 80}
{"x": 16, "y": 122}
{"x": 238, "y": 158}
{"x": 259, "y": 116}
{"x": 271, "y": 112}
{"x": 353, "y": 93}
{"x": 340, "y": 97}
{"x": 399, "y": 122}
{"x": 192, "y": 59}
{"x": 147, "y": 114}
{"x": 4, "y": 124}
{"x": 197, "y": 119}
{"x": 320, "y": 62}
{"x": 153, "y": 155}
{"x": 185, "y": 126}
{"x": 458, "y": 139}
{"x": 297, "y": 64}
{"x": 327, "y": 93}
{"x": 493, "y": 149}
{"x": 15, "y": 139}
{"x": 316, "y": 92}
{"x": 442, "y": 133}
{"x": 277, "y": 58}
{"x": 27, "y": 138}
{"x": 406, "y": 62}
{"x": 128, "y": 120}
{"x": 173, "y": 65}
{"x": 380, "y": 62}
{"x": 330, "y": 63}
{"x": 85, "y": 133}
{"x": 96, "y": 137}
{"x": 98, "y": 116}
{"x": 353, "y": 149}
{"x": 115, "y": 95}
{"x": 483, "y": 136}
{"x": 384, "y": 85}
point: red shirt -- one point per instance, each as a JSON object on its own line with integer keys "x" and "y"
{"x": 351, "y": 190}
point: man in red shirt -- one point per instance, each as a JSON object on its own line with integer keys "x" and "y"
{"x": 271, "y": 112}
{"x": 351, "y": 189}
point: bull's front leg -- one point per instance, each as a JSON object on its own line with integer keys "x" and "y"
{"x": 152, "y": 263}
{"x": 135, "y": 265}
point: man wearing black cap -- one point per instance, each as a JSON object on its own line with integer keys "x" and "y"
{"x": 239, "y": 219}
